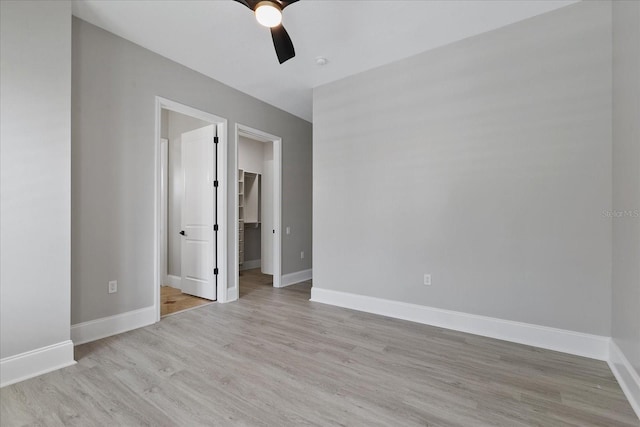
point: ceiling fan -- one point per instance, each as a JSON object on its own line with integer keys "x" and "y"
{"x": 269, "y": 14}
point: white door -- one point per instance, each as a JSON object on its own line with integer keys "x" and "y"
{"x": 198, "y": 210}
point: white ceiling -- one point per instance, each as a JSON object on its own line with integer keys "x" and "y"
{"x": 221, "y": 38}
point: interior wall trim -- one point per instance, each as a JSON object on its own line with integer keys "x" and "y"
{"x": 296, "y": 277}
{"x": 106, "y": 326}
{"x": 626, "y": 375}
{"x": 577, "y": 343}
{"x": 173, "y": 281}
{"x": 36, "y": 362}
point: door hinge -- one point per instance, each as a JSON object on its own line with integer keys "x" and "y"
{"x": 215, "y": 139}
{"x": 215, "y": 271}
{"x": 215, "y": 227}
{"x": 215, "y": 183}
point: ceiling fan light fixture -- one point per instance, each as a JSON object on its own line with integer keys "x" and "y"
{"x": 268, "y": 14}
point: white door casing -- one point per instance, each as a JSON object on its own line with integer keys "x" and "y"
{"x": 198, "y": 210}
{"x": 164, "y": 183}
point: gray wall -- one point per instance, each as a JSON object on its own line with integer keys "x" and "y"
{"x": 35, "y": 140}
{"x": 486, "y": 163}
{"x": 164, "y": 125}
{"x": 626, "y": 179}
{"x": 113, "y": 122}
{"x": 252, "y": 243}
{"x": 177, "y": 124}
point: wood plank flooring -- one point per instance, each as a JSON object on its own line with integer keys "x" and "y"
{"x": 172, "y": 300}
{"x": 275, "y": 359}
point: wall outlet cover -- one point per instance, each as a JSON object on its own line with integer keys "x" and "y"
{"x": 113, "y": 286}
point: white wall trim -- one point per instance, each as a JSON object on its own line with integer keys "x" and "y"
{"x": 232, "y": 294}
{"x": 626, "y": 375}
{"x": 296, "y": 277}
{"x": 36, "y": 362}
{"x": 173, "y": 281}
{"x": 580, "y": 344}
{"x": 248, "y": 265}
{"x": 164, "y": 207}
{"x": 105, "y": 327}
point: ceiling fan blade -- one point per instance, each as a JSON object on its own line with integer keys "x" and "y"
{"x": 286, "y": 3}
{"x": 244, "y": 2}
{"x": 251, "y": 4}
{"x": 283, "y": 44}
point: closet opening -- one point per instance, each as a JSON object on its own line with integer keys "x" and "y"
{"x": 258, "y": 241}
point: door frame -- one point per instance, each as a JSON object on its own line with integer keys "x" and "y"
{"x": 164, "y": 208}
{"x": 221, "y": 203}
{"x": 249, "y": 132}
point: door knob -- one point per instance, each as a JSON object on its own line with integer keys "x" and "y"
{"x": 182, "y": 232}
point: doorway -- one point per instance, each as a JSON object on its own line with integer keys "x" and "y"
{"x": 258, "y": 212}
{"x": 190, "y": 208}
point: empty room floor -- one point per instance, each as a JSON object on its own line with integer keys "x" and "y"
{"x": 275, "y": 359}
{"x": 252, "y": 280}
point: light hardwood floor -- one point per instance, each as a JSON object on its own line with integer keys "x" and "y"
{"x": 172, "y": 300}
{"x": 275, "y": 359}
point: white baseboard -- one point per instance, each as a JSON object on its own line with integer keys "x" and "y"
{"x": 40, "y": 361}
{"x": 626, "y": 375}
{"x": 173, "y": 281}
{"x": 105, "y": 327}
{"x": 249, "y": 265}
{"x": 297, "y": 277}
{"x": 581, "y": 344}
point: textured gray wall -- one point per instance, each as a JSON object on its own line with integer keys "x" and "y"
{"x": 626, "y": 179}
{"x": 35, "y": 140}
{"x": 113, "y": 121}
{"x": 486, "y": 163}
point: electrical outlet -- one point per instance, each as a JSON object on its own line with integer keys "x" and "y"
{"x": 427, "y": 279}
{"x": 302, "y": 255}
{"x": 113, "y": 286}
{"x": 288, "y": 230}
